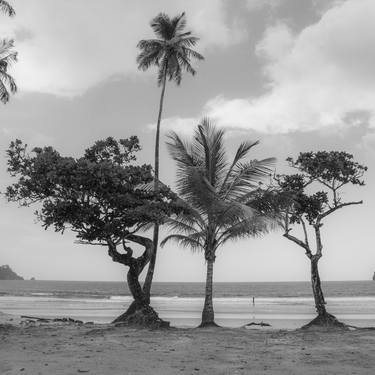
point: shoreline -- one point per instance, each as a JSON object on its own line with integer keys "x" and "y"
{"x": 234, "y": 312}
{"x": 63, "y": 348}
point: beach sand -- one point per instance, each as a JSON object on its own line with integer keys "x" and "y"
{"x": 62, "y": 348}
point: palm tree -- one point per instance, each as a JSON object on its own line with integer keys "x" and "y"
{"x": 216, "y": 193}
{"x": 6, "y": 8}
{"x": 7, "y": 57}
{"x": 171, "y": 52}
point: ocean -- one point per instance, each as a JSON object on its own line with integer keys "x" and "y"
{"x": 282, "y": 304}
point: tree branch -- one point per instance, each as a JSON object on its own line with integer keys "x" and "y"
{"x": 305, "y": 232}
{"x": 149, "y": 249}
{"x": 328, "y": 212}
{"x": 118, "y": 257}
{"x": 294, "y": 239}
{"x": 298, "y": 242}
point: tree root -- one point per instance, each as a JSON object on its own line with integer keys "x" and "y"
{"x": 208, "y": 324}
{"x": 326, "y": 321}
{"x": 143, "y": 316}
{"x": 261, "y": 324}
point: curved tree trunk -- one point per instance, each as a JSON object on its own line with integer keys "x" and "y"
{"x": 150, "y": 272}
{"x": 324, "y": 318}
{"x": 208, "y": 315}
{"x": 139, "y": 313}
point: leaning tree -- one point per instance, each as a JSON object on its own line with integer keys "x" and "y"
{"x": 100, "y": 197}
{"x": 172, "y": 53}
{"x": 216, "y": 193}
{"x": 306, "y": 198}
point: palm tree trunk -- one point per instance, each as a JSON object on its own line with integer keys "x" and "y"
{"x": 208, "y": 315}
{"x": 150, "y": 272}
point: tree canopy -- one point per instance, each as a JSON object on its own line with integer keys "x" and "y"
{"x": 305, "y": 198}
{"x": 98, "y": 196}
{"x": 217, "y": 191}
{"x": 317, "y": 185}
{"x": 171, "y": 51}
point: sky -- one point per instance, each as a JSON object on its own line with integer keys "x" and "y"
{"x": 295, "y": 74}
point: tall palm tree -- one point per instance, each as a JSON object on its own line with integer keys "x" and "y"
{"x": 216, "y": 193}
{"x": 7, "y": 57}
{"x": 6, "y": 8}
{"x": 171, "y": 52}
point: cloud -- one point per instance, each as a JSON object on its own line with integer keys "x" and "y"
{"x": 65, "y": 47}
{"x": 184, "y": 126}
{"x": 259, "y": 4}
{"x": 368, "y": 143}
{"x": 315, "y": 79}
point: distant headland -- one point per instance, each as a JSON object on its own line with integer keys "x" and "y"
{"x": 6, "y": 273}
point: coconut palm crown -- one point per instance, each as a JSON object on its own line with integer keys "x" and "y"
{"x": 217, "y": 194}
{"x": 171, "y": 52}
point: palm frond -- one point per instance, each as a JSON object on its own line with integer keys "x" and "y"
{"x": 4, "y": 93}
{"x": 5, "y": 46}
{"x": 174, "y": 71}
{"x": 247, "y": 176}
{"x": 188, "y": 41}
{"x": 215, "y": 190}
{"x": 161, "y": 25}
{"x": 150, "y": 44}
{"x": 146, "y": 59}
{"x": 256, "y": 226}
{"x": 185, "y": 64}
{"x": 178, "y": 149}
{"x": 241, "y": 152}
{"x": 7, "y": 83}
{"x": 179, "y": 23}
{"x": 184, "y": 241}
{"x": 208, "y": 144}
{"x": 190, "y": 53}
{"x": 6, "y": 8}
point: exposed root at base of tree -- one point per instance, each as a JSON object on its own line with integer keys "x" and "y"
{"x": 208, "y": 324}
{"x": 261, "y": 324}
{"x": 326, "y": 321}
{"x": 143, "y": 316}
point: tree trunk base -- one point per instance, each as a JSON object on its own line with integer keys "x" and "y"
{"x": 208, "y": 324}
{"x": 326, "y": 321}
{"x": 143, "y": 316}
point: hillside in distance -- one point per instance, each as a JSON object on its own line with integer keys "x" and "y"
{"x": 6, "y": 273}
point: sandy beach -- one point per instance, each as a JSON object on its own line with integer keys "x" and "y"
{"x": 62, "y": 348}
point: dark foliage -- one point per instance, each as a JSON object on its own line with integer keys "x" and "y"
{"x": 98, "y": 196}
{"x": 306, "y": 198}
{"x": 172, "y": 51}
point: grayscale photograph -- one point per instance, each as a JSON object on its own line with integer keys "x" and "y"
{"x": 187, "y": 187}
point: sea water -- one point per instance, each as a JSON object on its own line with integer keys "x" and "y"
{"x": 281, "y": 304}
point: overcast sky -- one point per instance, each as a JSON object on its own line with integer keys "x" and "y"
{"x": 296, "y": 74}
